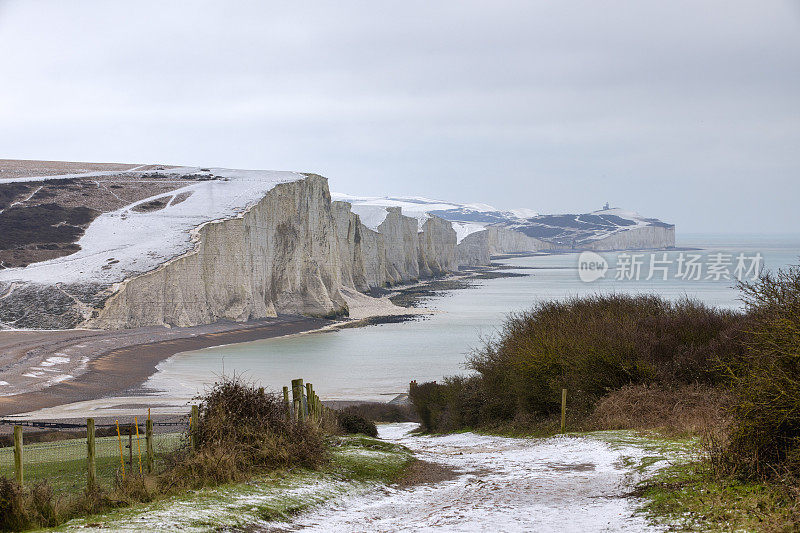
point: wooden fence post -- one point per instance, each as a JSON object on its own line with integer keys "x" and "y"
{"x": 563, "y": 409}
{"x": 18, "y": 453}
{"x": 298, "y": 398}
{"x": 148, "y": 440}
{"x": 304, "y": 401}
{"x": 130, "y": 450}
{"x": 310, "y": 400}
{"x": 91, "y": 472}
{"x": 287, "y": 403}
{"x": 195, "y": 422}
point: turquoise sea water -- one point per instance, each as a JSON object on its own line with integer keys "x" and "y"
{"x": 377, "y": 362}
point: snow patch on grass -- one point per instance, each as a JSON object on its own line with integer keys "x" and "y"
{"x": 276, "y": 498}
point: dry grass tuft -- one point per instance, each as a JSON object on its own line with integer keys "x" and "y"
{"x": 694, "y": 409}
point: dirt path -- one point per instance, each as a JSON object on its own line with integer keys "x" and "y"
{"x": 557, "y": 484}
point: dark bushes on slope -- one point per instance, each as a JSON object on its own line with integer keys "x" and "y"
{"x": 45, "y": 223}
{"x": 351, "y": 422}
{"x": 590, "y": 346}
{"x": 384, "y": 412}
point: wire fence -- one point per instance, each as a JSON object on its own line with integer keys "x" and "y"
{"x": 65, "y": 464}
{"x": 101, "y": 456}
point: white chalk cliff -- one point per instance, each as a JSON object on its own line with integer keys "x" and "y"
{"x": 245, "y": 245}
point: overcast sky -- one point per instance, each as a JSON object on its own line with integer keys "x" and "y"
{"x": 684, "y": 110}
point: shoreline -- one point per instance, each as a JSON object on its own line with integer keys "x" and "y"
{"x": 126, "y": 365}
{"x": 127, "y": 358}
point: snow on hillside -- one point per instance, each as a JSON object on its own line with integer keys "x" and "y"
{"x": 466, "y": 218}
{"x": 577, "y": 229}
{"x": 125, "y": 242}
{"x": 466, "y": 228}
{"x": 372, "y": 210}
{"x": 624, "y": 214}
{"x": 523, "y": 212}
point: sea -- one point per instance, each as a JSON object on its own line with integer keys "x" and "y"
{"x": 376, "y": 363}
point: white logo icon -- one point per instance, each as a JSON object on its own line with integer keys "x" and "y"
{"x": 591, "y": 266}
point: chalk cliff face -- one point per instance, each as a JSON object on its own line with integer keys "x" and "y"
{"x": 482, "y": 230}
{"x": 402, "y": 246}
{"x": 373, "y": 250}
{"x": 647, "y": 237}
{"x": 279, "y": 257}
{"x": 437, "y": 248}
{"x": 351, "y": 252}
{"x": 473, "y": 250}
{"x": 396, "y": 252}
{"x": 503, "y": 241}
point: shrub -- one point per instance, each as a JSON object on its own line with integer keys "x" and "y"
{"x": 679, "y": 410}
{"x": 383, "y": 412}
{"x": 457, "y": 403}
{"x": 243, "y": 429}
{"x": 351, "y": 422}
{"x": 765, "y": 435}
{"x": 25, "y": 508}
{"x": 11, "y": 508}
{"x": 590, "y": 346}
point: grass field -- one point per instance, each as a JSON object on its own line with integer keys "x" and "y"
{"x": 64, "y": 464}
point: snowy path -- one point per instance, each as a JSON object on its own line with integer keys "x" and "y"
{"x": 557, "y": 484}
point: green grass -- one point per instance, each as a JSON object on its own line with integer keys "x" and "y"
{"x": 363, "y": 458}
{"x": 686, "y": 496}
{"x": 690, "y": 498}
{"x": 358, "y": 464}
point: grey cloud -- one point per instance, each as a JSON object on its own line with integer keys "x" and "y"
{"x": 684, "y": 110}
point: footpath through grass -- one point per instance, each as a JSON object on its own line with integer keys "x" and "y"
{"x": 679, "y": 490}
{"x": 358, "y": 464}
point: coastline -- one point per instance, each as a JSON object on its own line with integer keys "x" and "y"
{"x": 103, "y": 365}
{"x": 131, "y": 359}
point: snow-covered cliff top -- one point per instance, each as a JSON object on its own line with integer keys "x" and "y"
{"x": 142, "y": 234}
{"x": 470, "y": 217}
